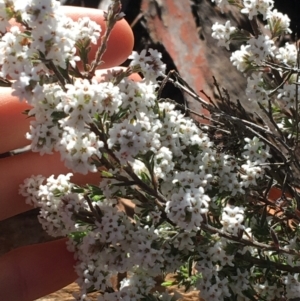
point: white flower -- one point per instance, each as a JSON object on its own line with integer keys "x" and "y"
{"x": 230, "y": 183}
{"x": 241, "y": 281}
{"x": 255, "y": 7}
{"x": 154, "y": 67}
{"x": 287, "y": 54}
{"x": 108, "y": 98}
{"x": 139, "y": 167}
{"x": 77, "y": 148}
{"x": 151, "y": 65}
{"x": 252, "y": 147}
{"x": 14, "y": 53}
{"x": 251, "y": 172}
{"x": 139, "y": 58}
{"x": 287, "y": 95}
{"x": 222, "y": 33}
{"x": 256, "y": 91}
{"x": 43, "y": 136}
{"x": 243, "y": 58}
{"x": 279, "y": 22}
{"x": 29, "y": 189}
{"x": 183, "y": 241}
{"x": 189, "y": 179}
{"x": 186, "y": 206}
{"x": 88, "y": 30}
{"x": 56, "y": 201}
{"x": 130, "y": 139}
{"x": 232, "y": 219}
{"x": 57, "y": 44}
{"x": 163, "y": 163}
{"x": 261, "y": 47}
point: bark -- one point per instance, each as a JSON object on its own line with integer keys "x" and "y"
{"x": 184, "y": 29}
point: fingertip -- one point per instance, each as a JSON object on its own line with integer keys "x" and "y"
{"x": 120, "y": 45}
{"x": 135, "y": 77}
{"x": 17, "y": 168}
{"x": 13, "y": 124}
{"x": 101, "y": 75}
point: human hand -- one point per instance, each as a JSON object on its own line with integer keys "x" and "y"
{"x": 34, "y": 271}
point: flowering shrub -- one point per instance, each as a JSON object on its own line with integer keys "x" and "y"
{"x": 201, "y": 192}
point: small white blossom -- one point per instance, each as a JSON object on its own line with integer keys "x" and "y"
{"x": 287, "y": 54}
{"x": 186, "y": 206}
{"x": 251, "y": 172}
{"x": 77, "y": 149}
{"x": 29, "y": 189}
{"x": 287, "y": 95}
{"x": 163, "y": 163}
{"x": 243, "y": 58}
{"x": 278, "y": 21}
{"x": 151, "y": 65}
{"x": 261, "y": 47}
{"x": 255, "y": 7}
{"x": 232, "y": 219}
{"x": 222, "y": 33}
{"x": 88, "y": 30}
{"x": 184, "y": 241}
{"x": 256, "y": 91}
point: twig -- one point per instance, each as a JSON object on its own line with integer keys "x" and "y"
{"x": 248, "y": 242}
{"x": 269, "y": 263}
{"x": 92, "y": 208}
{"x": 161, "y": 200}
{"x": 112, "y": 16}
{"x": 255, "y": 26}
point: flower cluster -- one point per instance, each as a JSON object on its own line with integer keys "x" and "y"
{"x": 255, "y": 7}
{"x": 200, "y": 207}
{"x": 222, "y": 33}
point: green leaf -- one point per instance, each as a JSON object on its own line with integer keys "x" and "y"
{"x": 95, "y": 193}
{"x": 168, "y": 283}
{"x": 77, "y": 236}
{"x": 77, "y": 189}
{"x": 56, "y": 116}
{"x": 106, "y": 174}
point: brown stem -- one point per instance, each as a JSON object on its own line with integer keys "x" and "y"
{"x": 92, "y": 208}
{"x": 248, "y": 242}
{"x": 268, "y": 263}
{"x": 161, "y": 200}
{"x": 255, "y": 27}
{"x": 112, "y": 16}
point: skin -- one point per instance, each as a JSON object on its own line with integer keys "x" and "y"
{"x": 33, "y": 271}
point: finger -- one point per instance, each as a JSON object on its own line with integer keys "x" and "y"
{"x": 120, "y": 43}
{"x": 35, "y": 271}
{"x": 101, "y": 74}
{"x": 13, "y": 171}
{"x": 14, "y": 124}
